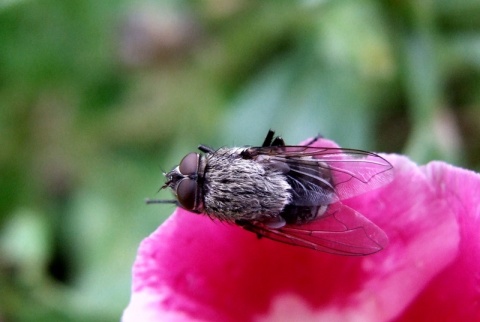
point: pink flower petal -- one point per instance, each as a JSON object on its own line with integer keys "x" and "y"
{"x": 195, "y": 269}
{"x": 454, "y": 293}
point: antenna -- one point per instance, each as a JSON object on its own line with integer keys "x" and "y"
{"x": 152, "y": 201}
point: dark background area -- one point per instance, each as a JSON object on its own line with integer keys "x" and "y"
{"x": 97, "y": 98}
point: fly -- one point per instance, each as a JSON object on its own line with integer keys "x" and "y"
{"x": 290, "y": 194}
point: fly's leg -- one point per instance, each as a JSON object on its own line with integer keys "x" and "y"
{"x": 315, "y": 139}
{"x": 248, "y": 226}
{"x": 278, "y": 141}
{"x": 205, "y": 149}
{"x": 271, "y": 141}
{"x": 268, "y": 139}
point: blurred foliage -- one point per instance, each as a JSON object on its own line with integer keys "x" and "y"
{"x": 97, "y": 97}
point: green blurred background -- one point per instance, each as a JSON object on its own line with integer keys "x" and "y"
{"x": 98, "y": 97}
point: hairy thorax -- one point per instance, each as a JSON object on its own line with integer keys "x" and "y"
{"x": 236, "y": 188}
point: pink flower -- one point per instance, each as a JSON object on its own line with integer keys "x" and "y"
{"x": 195, "y": 269}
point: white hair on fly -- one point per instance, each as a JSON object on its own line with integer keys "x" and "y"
{"x": 234, "y": 185}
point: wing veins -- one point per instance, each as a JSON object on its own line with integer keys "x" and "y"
{"x": 298, "y": 241}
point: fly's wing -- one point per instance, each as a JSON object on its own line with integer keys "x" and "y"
{"x": 341, "y": 231}
{"x": 322, "y": 176}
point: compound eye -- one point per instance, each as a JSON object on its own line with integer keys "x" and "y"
{"x": 189, "y": 164}
{"x": 187, "y": 193}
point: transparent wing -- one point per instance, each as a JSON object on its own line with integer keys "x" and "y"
{"x": 341, "y": 231}
{"x": 339, "y": 173}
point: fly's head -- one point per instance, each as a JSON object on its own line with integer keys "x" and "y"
{"x": 183, "y": 180}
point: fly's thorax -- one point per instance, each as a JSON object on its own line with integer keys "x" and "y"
{"x": 235, "y": 188}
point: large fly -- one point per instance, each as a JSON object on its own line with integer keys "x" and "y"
{"x": 290, "y": 194}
